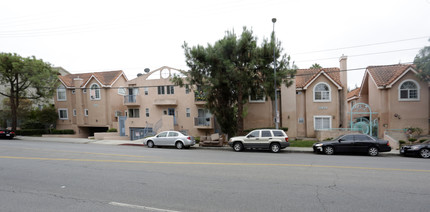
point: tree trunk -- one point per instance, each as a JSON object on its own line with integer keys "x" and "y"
{"x": 240, "y": 110}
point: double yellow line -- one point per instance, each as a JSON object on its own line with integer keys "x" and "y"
{"x": 212, "y": 163}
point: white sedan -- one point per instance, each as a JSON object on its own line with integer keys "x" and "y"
{"x": 170, "y": 138}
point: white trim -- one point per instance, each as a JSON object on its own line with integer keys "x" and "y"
{"x": 399, "y": 77}
{"x": 59, "y": 113}
{"x": 327, "y": 76}
{"x": 122, "y": 73}
{"x": 330, "y": 123}
{"x": 329, "y": 91}
{"x": 88, "y": 81}
{"x": 418, "y": 91}
{"x": 100, "y": 93}
{"x": 65, "y": 94}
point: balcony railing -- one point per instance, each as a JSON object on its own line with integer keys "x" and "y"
{"x": 131, "y": 100}
{"x": 203, "y": 122}
{"x": 200, "y": 96}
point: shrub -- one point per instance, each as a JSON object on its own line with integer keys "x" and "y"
{"x": 412, "y": 140}
{"x": 401, "y": 142}
{"x": 328, "y": 139}
{"x": 30, "y": 132}
{"x": 422, "y": 140}
{"x": 112, "y": 130}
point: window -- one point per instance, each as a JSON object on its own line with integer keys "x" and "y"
{"x": 188, "y": 112}
{"x": 84, "y": 90}
{"x": 278, "y": 133}
{"x": 95, "y": 92}
{"x": 146, "y": 91}
{"x": 163, "y": 134}
{"x": 322, "y": 122}
{"x": 74, "y": 112}
{"x": 62, "y": 114}
{"x": 409, "y": 90}
{"x": 187, "y": 90}
{"x": 173, "y": 134}
{"x": 86, "y": 112}
{"x": 147, "y": 112}
{"x": 258, "y": 96}
{"x": 254, "y": 134}
{"x": 133, "y": 113}
{"x": 266, "y": 133}
{"x": 121, "y": 91}
{"x": 322, "y": 92}
{"x": 160, "y": 90}
{"x": 170, "y": 89}
{"x": 73, "y": 91}
{"x": 61, "y": 93}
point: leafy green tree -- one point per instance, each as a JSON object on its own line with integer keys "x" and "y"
{"x": 231, "y": 70}
{"x": 315, "y": 66}
{"x": 422, "y": 62}
{"x": 25, "y": 78}
{"x": 41, "y": 118}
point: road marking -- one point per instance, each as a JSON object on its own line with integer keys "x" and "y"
{"x": 213, "y": 163}
{"x": 140, "y": 207}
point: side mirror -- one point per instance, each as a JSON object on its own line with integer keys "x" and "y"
{"x": 339, "y": 140}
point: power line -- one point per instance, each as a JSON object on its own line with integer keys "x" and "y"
{"x": 364, "y": 45}
{"x": 360, "y": 55}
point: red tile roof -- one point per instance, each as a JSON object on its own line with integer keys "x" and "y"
{"x": 353, "y": 93}
{"x": 304, "y": 76}
{"x": 106, "y": 78}
{"x": 385, "y": 75}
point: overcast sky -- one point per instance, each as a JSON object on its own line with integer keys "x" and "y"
{"x": 89, "y": 35}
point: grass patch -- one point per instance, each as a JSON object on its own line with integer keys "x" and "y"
{"x": 301, "y": 143}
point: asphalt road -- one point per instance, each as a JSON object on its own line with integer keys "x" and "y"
{"x": 55, "y": 176}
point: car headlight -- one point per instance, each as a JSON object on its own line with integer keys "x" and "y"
{"x": 318, "y": 145}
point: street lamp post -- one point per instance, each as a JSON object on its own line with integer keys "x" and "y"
{"x": 274, "y": 71}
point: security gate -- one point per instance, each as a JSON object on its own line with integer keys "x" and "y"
{"x": 361, "y": 119}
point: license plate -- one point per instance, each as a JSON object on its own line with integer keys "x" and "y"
{"x": 402, "y": 151}
{"x": 7, "y": 134}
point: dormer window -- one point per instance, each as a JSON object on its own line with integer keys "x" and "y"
{"x": 409, "y": 91}
{"x": 322, "y": 92}
{"x": 95, "y": 92}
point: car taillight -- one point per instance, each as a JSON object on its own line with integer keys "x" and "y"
{"x": 388, "y": 143}
{"x": 12, "y": 132}
{"x": 286, "y": 139}
{"x": 1, "y": 131}
{"x": 189, "y": 138}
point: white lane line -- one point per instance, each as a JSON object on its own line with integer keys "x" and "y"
{"x": 140, "y": 207}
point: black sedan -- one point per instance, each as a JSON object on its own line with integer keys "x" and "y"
{"x": 422, "y": 149}
{"x": 4, "y": 133}
{"x": 353, "y": 143}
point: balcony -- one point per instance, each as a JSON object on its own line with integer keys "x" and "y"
{"x": 131, "y": 100}
{"x": 203, "y": 122}
{"x": 165, "y": 102}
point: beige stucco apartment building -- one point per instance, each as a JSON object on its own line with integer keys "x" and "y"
{"x": 90, "y": 102}
{"x": 397, "y": 97}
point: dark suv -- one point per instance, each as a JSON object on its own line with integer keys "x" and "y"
{"x": 271, "y": 139}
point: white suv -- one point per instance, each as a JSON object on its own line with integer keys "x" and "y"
{"x": 271, "y": 139}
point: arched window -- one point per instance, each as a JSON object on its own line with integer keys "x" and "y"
{"x": 95, "y": 92}
{"x": 61, "y": 93}
{"x": 322, "y": 92}
{"x": 409, "y": 90}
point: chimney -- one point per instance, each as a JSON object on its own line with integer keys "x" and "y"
{"x": 344, "y": 92}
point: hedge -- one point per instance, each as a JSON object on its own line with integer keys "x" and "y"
{"x": 29, "y": 132}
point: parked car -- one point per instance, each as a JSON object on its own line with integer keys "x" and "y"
{"x": 353, "y": 143}
{"x": 271, "y": 139}
{"x": 5, "y": 133}
{"x": 170, "y": 138}
{"x": 422, "y": 149}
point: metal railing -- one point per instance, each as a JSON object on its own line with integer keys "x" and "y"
{"x": 130, "y": 99}
{"x": 203, "y": 121}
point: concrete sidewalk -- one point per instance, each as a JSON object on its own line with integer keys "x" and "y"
{"x": 140, "y": 143}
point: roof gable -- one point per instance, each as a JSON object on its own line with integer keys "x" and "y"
{"x": 305, "y": 77}
{"x": 386, "y": 76}
{"x": 354, "y": 94}
{"x": 106, "y": 78}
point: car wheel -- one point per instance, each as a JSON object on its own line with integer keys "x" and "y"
{"x": 150, "y": 144}
{"x": 425, "y": 153}
{"x": 275, "y": 147}
{"x": 238, "y": 146}
{"x": 373, "y": 151}
{"x": 179, "y": 145}
{"x": 328, "y": 150}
